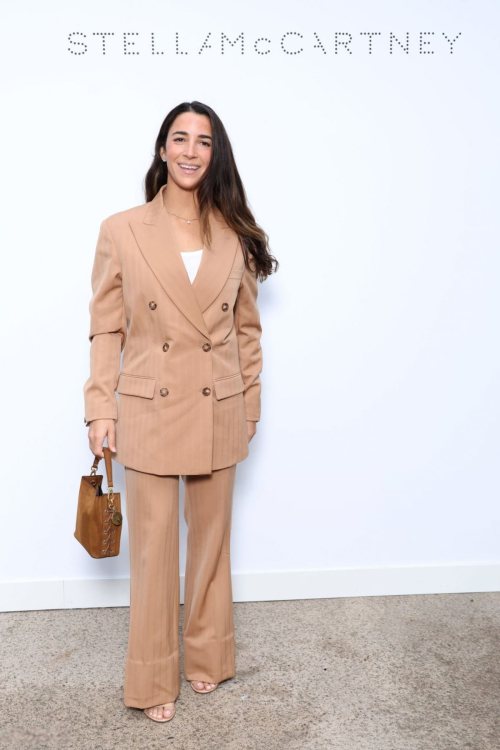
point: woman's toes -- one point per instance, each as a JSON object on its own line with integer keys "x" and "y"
{"x": 164, "y": 711}
{"x": 204, "y": 686}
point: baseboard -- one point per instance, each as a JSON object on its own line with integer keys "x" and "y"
{"x": 21, "y": 596}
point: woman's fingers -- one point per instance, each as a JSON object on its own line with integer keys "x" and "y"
{"x": 111, "y": 438}
{"x": 96, "y": 446}
{"x": 98, "y": 430}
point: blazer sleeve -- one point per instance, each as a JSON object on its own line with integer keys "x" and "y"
{"x": 108, "y": 330}
{"x": 248, "y": 330}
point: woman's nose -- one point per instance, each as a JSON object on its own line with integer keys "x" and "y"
{"x": 190, "y": 151}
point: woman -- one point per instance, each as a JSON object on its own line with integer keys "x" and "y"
{"x": 174, "y": 287}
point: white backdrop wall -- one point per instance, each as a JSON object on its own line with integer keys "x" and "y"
{"x": 375, "y": 468}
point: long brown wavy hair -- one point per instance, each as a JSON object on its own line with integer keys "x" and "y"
{"x": 220, "y": 187}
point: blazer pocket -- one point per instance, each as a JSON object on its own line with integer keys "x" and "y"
{"x": 136, "y": 385}
{"x": 229, "y": 386}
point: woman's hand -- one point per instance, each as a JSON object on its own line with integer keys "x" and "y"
{"x": 251, "y": 429}
{"x": 98, "y": 430}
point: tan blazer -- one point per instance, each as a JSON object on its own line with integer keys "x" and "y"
{"x": 190, "y": 372}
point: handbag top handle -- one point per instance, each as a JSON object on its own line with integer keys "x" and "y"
{"x": 109, "y": 465}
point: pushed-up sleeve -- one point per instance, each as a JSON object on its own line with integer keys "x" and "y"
{"x": 248, "y": 329}
{"x": 108, "y": 330}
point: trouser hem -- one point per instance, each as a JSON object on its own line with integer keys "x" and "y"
{"x": 151, "y": 683}
{"x": 205, "y": 677}
{"x": 154, "y": 700}
{"x": 212, "y": 661}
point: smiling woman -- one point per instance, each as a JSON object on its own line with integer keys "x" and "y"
{"x": 187, "y": 152}
{"x": 175, "y": 285}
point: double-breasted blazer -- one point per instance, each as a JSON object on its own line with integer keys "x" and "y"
{"x": 177, "y": 365}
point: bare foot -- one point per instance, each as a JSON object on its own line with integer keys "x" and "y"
{"x": 165, "y": 711}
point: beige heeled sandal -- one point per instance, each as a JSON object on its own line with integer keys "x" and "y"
{"x": 210, "y": 690}
{"x": 154, "y": 718}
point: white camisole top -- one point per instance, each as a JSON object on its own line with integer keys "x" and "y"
{"x": 192, "y": 262}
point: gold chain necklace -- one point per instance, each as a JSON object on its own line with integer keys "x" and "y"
{"x": 181, "y": 217}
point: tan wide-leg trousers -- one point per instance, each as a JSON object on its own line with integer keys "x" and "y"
{"x": 152, "y": 669}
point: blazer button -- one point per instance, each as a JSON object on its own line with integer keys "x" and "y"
{"x": 165, "y": 347}
{"x": 225, "y": 306}
{"x": 206, "y": 391}
{"x": 152, "y": 305}
{"x": 206, "y": 347}
{"x": 163, "y": 391}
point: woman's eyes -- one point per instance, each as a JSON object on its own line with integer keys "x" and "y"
{"x": 180, "y": 138}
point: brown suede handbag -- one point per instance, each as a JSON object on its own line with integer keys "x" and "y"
{"x": 98, "y": 517}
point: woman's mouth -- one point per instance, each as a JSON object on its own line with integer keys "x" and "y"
{"x": 188, "y": 169}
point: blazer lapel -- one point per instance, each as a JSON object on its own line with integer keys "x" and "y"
{"x": 156, "y": 240}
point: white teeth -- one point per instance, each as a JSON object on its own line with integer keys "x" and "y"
{"x": 187, "y": 166}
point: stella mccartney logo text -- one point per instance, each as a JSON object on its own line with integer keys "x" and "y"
{"x": 288, "y": 43}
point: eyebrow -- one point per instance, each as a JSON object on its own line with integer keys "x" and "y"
{"x": 184, "y": 132}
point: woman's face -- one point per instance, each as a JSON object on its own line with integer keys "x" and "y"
{"x": 189, "y": 142}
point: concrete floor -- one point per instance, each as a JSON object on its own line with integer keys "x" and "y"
{"x": 371, "y": 673}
